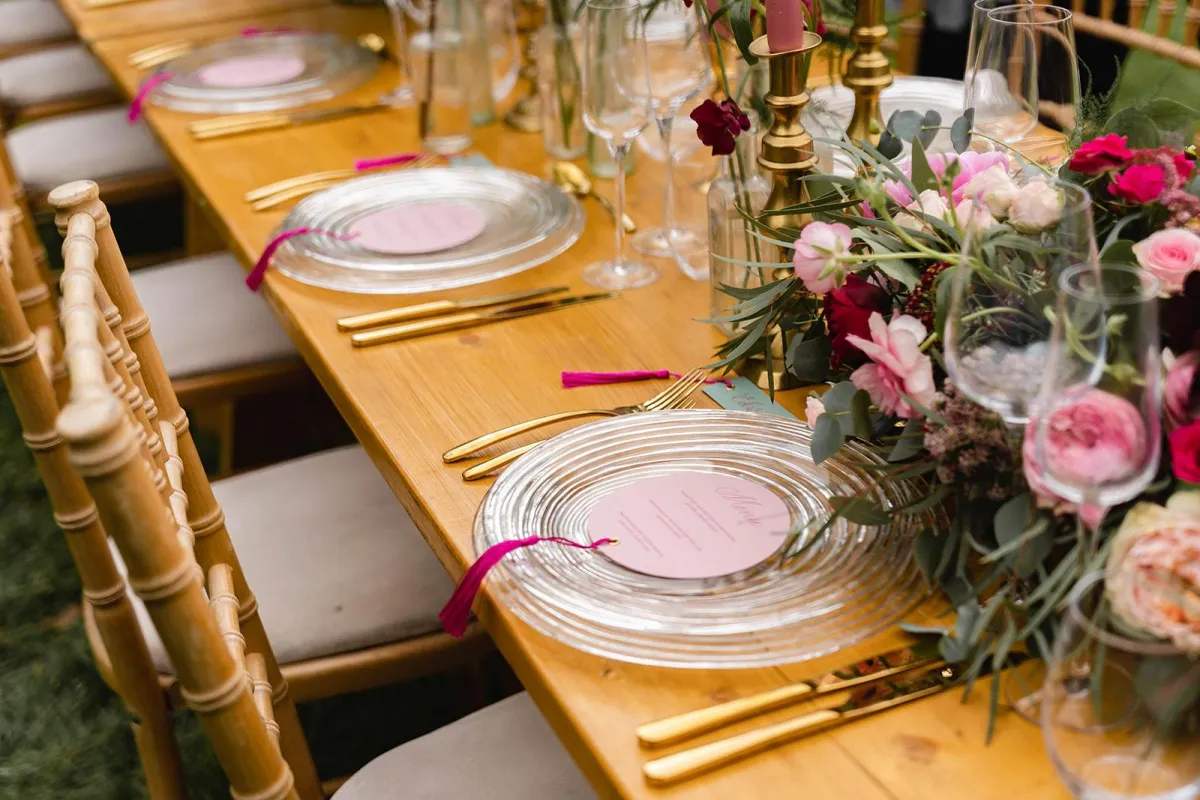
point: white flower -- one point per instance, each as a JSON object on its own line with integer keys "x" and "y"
{"x": 813, "y": 409}
{"x": 994, "y": 186}
{"x": 931, "y": 203}
{"x": 1037, "y": 206}
{"x": 974, "y": 216}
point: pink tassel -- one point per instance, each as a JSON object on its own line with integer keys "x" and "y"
{"x": 457, "y": 612}
{"x": 143, "y": 93}
{"x": 255, "y": 278}
{"x": 571, "y": 380}
{"x": 254, "y": 31}
{"x": 364, "y": 164}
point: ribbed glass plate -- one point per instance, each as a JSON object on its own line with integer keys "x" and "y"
{"x": 331, "y": 66}
{"x": 527, "y": 221}
{"x": 830, "y": 108}
{"x": 849, "y": 582}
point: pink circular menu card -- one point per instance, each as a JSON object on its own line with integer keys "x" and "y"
{"x": 416, "y": 228}
{"x": 691, "y": 525}
{"x": 244, "y": 72}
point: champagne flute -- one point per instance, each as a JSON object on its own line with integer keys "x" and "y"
{"x": 679, "y": 67}
{"x": 616, "y": 108}
{"x": 1098, "y": 429}
{"x": 1025, "y": 72}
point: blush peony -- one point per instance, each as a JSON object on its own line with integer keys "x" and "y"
{"x": 815, "y": 257}
{"x": 1152, "y": 578}
{"x": 1036, "y": 206}
{"x": 898, "y": 369}
{"x": 1169, "y": 255}
{"x": 993, "y": 187}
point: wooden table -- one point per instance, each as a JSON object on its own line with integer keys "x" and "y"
{"x": 156, "y": 16}
{"x": 407, "y": 402}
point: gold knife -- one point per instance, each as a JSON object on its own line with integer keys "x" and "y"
{"x": 230, "y": 125}
{"x": 876, "y": 668}
{"x": 863, "y": 701}
{"x": 377, "y": 318}
{"x": 469, "y": 319}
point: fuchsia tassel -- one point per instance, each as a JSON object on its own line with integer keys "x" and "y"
{"x": 571, "y": 380}
{"x": 143, "y": 93}
{"x": 457, "y": 612}
{"x": 253, "y": 31}
{"x": 255, "y": 278}
{"x": 364, "y": 164}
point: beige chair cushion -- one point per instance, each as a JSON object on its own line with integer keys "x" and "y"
{"x": 89, "y": 145}
{"x": 506, "y": 751}
{"x": 27, "y": 21}
{"x": 336, "y": 563}
{"x": 49, "y": 75}
{"x": 205, "y": 319}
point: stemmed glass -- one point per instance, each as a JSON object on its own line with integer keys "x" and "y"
{"x": 679, "y": 67}
{"x": 616, "y": 108}
{"x": 979, "y": 12}
{"x": 402, "y": 95}
{"x": 1025, "y": 72}
{"x": 997, "y": 333}
{"x": 1097, "y": 427}
{"x": 1119, "y": 711}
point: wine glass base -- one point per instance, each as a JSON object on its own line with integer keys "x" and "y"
{"x": 655, "y": 242}
{"x": 621, "y": 274}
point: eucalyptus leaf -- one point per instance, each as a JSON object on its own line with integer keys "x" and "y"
{"x": 860, "y": 414}
{"x": 860, "y": 510}
{"x": 922, "y": 630}
{"x": 937, "y": 495}
{"x": 952, "y": 650}
{"x": 928, "y": 550}
{"x": 900, "y": 271}
{"x": 889, "y": 145}
{"x": 827, "y": 437}
{"x": 839, "y": 396}
{"x": 905, "y": 125}
{"x": 1013, "y": 518}
{"x": 922, "y": 174}
{"x": 960, "y": 131}
{"x": 910, "y": 442}
{"x": 930, "y": 124}
{"x": 965, "y": 623}
{"x": 808, "y": 359}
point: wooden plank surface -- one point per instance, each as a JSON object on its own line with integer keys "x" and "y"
{"x": 407, "y": 402}
{"x": 158, "y": 16}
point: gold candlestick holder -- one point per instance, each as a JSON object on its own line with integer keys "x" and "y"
{"x": 787, "y": 154}
{"x": 526, "y": 113}
{"x": 868, "y": 72}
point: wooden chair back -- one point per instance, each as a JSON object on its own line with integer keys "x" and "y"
{"x": 170, "y": 451}
{"x": 1131, "y": 35}
{"x": 109, "y": 445}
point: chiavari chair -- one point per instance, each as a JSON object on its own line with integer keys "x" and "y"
{"x": 1131, "y": 34}
{"x": 27, "y": 25}
{"x": 505, "y": 751}
{"x": 348, "y": 588}
{"x": 51, "y": 81}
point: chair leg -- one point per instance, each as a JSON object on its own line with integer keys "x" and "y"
{"x": 199, "y": 236}
{"x": 294, "y": 746}
{"x": 159, "y": 754}
{"x": 218, "y": 419}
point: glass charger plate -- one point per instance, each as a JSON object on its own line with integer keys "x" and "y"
{"x": 526, "y": 221}
{"x": 848, "y": 582}
{"x": 829, "y": 110}
{"x": 265, "y": 72}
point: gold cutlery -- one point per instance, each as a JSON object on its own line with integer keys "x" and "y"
{"x": 685, "y": 385}
{"x": 469, "y": 319}
{"x": 234, "y": 124}
{"x": 861, "y": 702}
{"x": 90, "y": 4}
{"x": 488, "y": 466}
{"x": 376, "y": 318}
{"x": 869, "y": 670}
{"x": 279, "y": 198}
{"x": 265, "y": 191}
{"x": 572, "y": 179}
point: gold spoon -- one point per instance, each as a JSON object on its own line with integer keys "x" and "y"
{"x": 570, "y": 178}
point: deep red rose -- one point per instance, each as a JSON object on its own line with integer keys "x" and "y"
{"x": 1185, "y": 452}
{"x": 1184, "y": 166}
{"x": 847, "y": 311}
{"x": 1101, "y": 154}
{"x": 1141, "y": 183}
{"x": 718, "y": 125}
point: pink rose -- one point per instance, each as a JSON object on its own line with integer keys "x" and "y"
{"x": 1169, "y": 255}
{"x": 813, "y": 409}
{"x": 898, "y": 367}
{"x": 1152, "y": 578}
{"x": 1183, "y": 166}
{"x": 1036, "y": 206}
{"x": 1185, "y": 452}
{"x": 1177, "y": 389}
{"x": 1101, "y": 154}
{"x": 1141, "y": 183}
{"x": 815, "y": 257}
{"x": 1046, "y": 497}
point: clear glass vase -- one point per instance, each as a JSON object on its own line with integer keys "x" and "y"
{"x": 558, "y": 52}
{"x": 737, "y": 257}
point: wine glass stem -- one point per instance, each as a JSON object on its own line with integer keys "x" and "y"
{"x": 396, "y": 11}
{"x": 618, "y": 153}
{"x": 665, "y": 126}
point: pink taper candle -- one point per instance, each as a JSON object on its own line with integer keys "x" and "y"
{"x": 785, "y": 25}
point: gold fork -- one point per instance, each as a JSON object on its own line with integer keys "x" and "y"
{"x": 485, "y": 468}
{"x": 307, "y": 184}
{"x": 159, "y": 53}
{"x": 677, "y": 391}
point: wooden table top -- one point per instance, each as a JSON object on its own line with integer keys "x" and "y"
{"x": 407, "y": 402}
{"x": 94, "y": 24}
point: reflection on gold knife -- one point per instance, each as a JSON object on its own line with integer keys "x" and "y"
{"x": 469, "y": 319}
{"x": 693, "y": 723}
{"x": 862, "y": 702}
{"x": 233, "y": 124}
{"x": 377, "y": 318}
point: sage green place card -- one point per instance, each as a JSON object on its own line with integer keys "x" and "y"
{"x": 743, "y": 395}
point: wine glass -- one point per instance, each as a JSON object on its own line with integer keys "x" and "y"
{"x": 997, "y": 333}
{"x": 402, "y": 95}
{"x": 616, "y": 108}
{"x": 504, "y": 48}
{"x": 1025, "y": 72}
{"x": 679, "y": 68}
{"x": 979, "y": 12}
{"x": 1098, "y": 429}
{"x": 1119, "y": 711}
